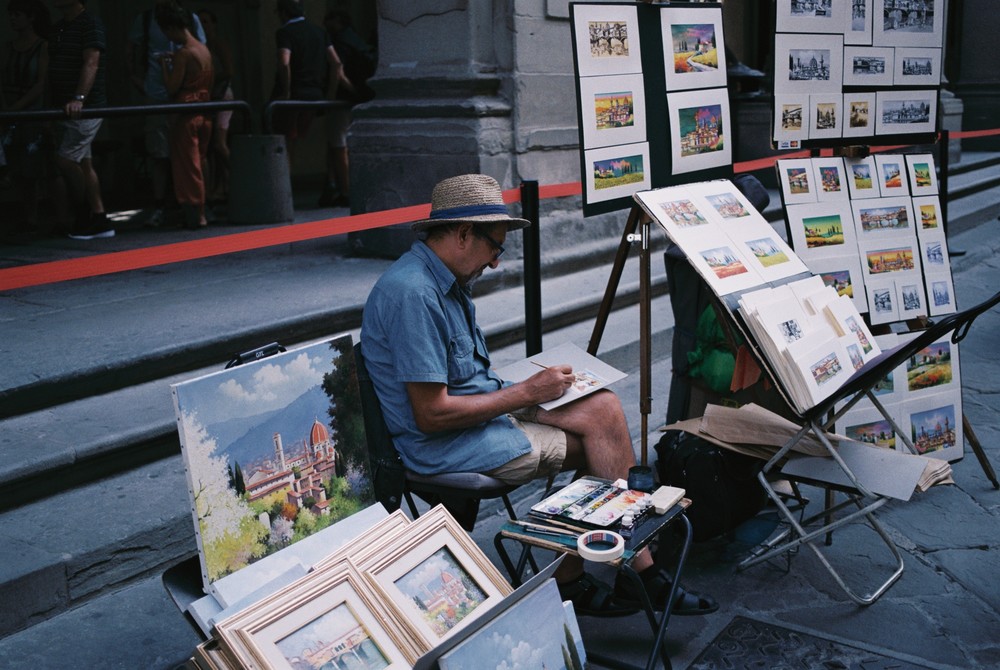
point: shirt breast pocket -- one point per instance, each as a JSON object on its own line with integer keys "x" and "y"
{"x": 461, "y": 362}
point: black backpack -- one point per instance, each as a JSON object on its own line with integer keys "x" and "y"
{"x": 721, "y": 484}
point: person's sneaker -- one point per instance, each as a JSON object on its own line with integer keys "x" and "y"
{"x": 99, "y": 227}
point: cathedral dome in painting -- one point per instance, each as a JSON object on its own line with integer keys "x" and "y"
{"x": 319, "y": 434}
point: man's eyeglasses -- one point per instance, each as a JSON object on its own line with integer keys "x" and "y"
{"x": 497, "y": 247}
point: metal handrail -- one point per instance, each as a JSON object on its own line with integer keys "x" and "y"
{"x": 58, "y": 114}
{"x": 296, "y": 104}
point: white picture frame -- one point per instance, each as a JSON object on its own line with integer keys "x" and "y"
{"x": 700, "y": 130}
{"x": 893, "y": 179}
{"x": 940, "y": 294}
{"x": 858, "y": 23}
{"x": 830, "y": 179}
{"x": 701, "y": 28}
{"x": 862, "y": 178}
{"x": 844, "y": 274}
{"x": 613, "y": 108}
{"x": 884, "y": 219}
{"x": 607, "y": 39}
{"x": 922, "y": 173}
{"x": 815, "y": 16}
{"x": 868, "y": 66}
{"x": 626, "y": 167}
{"x": 822, "y": 229}
{"x": 826, "y": 115}
{"x": 883, "y": 302}
{"x": 798, "y": 183}
{"x": 859, "y": 114}
{"x": 894, "y": 26}
{"x": 791, "y": 117}
{"x": 917, "y": 66}
{"x": 905, "y": 112}
{"x": 934, "y": 255}
{"x": 808, "y": 63}
{"x": 927, "y": 211}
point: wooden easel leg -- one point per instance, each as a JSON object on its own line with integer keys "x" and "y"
{"x": 977, "y": 449}
{"x": 616, "y": 275}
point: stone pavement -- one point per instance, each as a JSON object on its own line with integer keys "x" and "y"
{"x": 943, "y": 613}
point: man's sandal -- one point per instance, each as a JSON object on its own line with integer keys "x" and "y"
{"x": 592, "y": 597}
{"x": 657, "y": 583}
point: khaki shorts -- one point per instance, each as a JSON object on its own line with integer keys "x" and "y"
{"x": 548, "y": 451}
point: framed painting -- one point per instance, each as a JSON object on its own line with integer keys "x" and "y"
{"x": 927, "y": 210}
{"x": 694, "y": 54}
{"x": 606, "y": 38}
{"x": 699, "y": 130}
{"x": 613, "y": 109}
{"x": 798, "y": 183}
{"x": 940, "y": 293}
{"x": 868, "y": 66}
{"x": 617, "y": 171}
{"x": 922, "y": 173}
{"x": 917, "y": 66}
{"x": 533, "y": 628}
{"x": 385, "y": 530}
{"x": 811, "y": 16}
{"x": 273, "y": 454}
{"x": 808, "y": 63}
{"x": 862, "y": 178}
{"x": 891, "y": 170}
{"x": 821, "y": 230}
{"x": 826, "y": 115}
{"x": 791, "y": 117}
{"x": 897, "y": 23}
{"x": 843, "y": 273}
{"x": 329, "y": 618}
{"x": 884, "y": 218}
{"x": 858, "y": 27}
{"x": 905, "y": 112}
{"x": 935, "y": 425}
{"x": 434, "y": 578}
{"x": 830, "y": 178}
{"x": 859, "y": 114}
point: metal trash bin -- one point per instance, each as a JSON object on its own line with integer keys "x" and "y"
{"x": 260, "y": 183}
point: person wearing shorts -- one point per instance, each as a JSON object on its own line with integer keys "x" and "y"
{"x": 448, "y": 411}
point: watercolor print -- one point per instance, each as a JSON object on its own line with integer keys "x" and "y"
{"x": 796, "y": 177}
{"x": 613, "y": 110}
{"x": 897, "y": 258}
{"x": 606, "y": 38}
{"x": 928, "y": 210}
{"x": 882, "y": 302}
{"x": 935, "y": 255}
{"x": 443, "y": 591}
{"x": 868, "y": 66}
{"x": 843, "y": 274}
{"x": 934, "y": 429}
{"x": 821, "y": 230}
{"x": 694, "y": 53}
{"x": 923, "y": 174}
{"x": 683, "y": 213}
{"x": 883, "y": 217}
{"x": 808, "y": 63}
{"x": 616, "y": 171}
{"x": 916, "y": 23}
{"x": 791, "y": 117}
{"x": 905, "y": 112}
{"x": 830, "y": 179}
{"x": 699, "y": 123}
{"x": 892, "y": 174}
{"x": 929, "y": 367}
{"x": 723, "y": 262}
{"x": 274, "y": 453}
{"x": 877, "y": 433}
{"x": 826, "y": 117}
{"x": 910, "y": 298}
{"x": 771, "y": 257}
{"x": 862, "y": 178}
{"x": 859, "y": 114}
{"x": 940, "y": 294}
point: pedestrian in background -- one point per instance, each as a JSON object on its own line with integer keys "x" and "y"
{"x": 77, "y": 80}
{"x": 187, "y": 74}
{"x": 217, "y": 182}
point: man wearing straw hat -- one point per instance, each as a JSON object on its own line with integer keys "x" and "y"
{"x": 449, "y": 412}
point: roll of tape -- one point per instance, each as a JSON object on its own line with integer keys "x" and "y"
{"x": 600, "y": 546}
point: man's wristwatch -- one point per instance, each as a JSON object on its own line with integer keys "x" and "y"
{"x": 79, "y": 98}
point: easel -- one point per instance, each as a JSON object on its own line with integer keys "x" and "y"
{"x": 637, "y": 219}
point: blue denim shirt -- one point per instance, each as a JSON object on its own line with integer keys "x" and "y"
{"x": 419, "y": 325}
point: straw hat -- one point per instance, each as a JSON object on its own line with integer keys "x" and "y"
{"x": 468, "y": 198}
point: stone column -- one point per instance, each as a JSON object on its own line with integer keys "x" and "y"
{"x": 442, "y": 108}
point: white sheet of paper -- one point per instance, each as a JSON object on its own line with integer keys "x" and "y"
{"x": 591, "y": 372}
